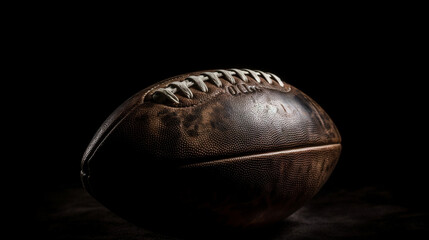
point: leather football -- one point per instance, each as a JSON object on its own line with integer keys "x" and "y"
{"x": 237, "y": 148}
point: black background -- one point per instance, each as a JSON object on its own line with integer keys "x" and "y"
{"x": 363, "y": 70}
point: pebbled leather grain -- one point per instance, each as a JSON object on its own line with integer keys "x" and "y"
{"x": 240, "y": 155}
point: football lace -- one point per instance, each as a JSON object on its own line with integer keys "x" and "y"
{"x": 161, "y": 94}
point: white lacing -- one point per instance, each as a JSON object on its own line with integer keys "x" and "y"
{"x": 184, "y": 86}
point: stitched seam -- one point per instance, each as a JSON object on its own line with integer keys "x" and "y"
{"x": 113, "y": 127}
{"x": 237, "y": 158}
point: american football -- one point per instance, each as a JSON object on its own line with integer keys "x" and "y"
{"x": 236, "y": 148}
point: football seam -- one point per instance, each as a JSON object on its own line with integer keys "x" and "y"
{"x": 243, "y": 157}
{"x": 111, "y": 128}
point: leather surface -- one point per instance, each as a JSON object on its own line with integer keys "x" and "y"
{"x": 134, "y": 165}
{"x": 258, "y": 189}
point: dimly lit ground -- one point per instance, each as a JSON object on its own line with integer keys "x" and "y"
{"x": 365, "y": 213}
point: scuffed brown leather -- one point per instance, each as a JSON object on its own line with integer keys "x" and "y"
{"x": 153, "y": 159}
{"x": 258, "y": 189}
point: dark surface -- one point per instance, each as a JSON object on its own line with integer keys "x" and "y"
{"x": 363, "y": 213}
{"x": 365, "y": 68}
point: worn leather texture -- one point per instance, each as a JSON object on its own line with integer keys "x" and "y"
{"x": 241, "y": 155}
